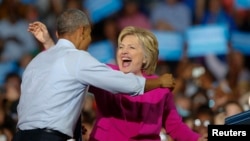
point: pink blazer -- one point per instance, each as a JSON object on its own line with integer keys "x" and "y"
{"x": 127, "y": 118}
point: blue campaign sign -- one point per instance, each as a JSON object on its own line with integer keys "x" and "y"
{"x": 241, "y": 42}
{"x": 100, "y": 9}
{"x": 242, "y": 4}
{"x": 170, "y": 45}
{"x": 208, "y": 39}
{"x": 103, "y": 51}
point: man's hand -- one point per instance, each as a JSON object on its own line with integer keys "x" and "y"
{"x": 40, "y": 31}
{"x": 84, "y": 130}
{"x": 167, "y": 80}
{"x": 164, "y": 81}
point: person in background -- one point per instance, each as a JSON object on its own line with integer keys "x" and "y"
{"x": 230, "y": 108}
{"x": 183, "y": 104}
{"x": 11, "y": 94}
{"x": 13, "y": 25}
{"x": 143, "y": 115}
{"x": 203, "y": 117}
{"x": 216, "y": 14}
{"x": 163, "y": 16}
{"x": 7, "y": 124}
{"x": 56, "y": 80}
{"x": 131, "y": 15}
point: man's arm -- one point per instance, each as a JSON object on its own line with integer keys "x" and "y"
{"x": 165, "y": 80}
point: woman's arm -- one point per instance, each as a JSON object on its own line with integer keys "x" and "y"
{"x": 174, "y": 125}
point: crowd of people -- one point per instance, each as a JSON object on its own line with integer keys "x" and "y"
{"x": 208, "y": 88}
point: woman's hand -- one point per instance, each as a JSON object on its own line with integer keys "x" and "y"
{"x": 203, "y": 138}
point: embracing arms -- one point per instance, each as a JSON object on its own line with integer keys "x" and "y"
{"x": 40, "y": 31}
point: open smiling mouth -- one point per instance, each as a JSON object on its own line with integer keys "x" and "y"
{"x": 126, "y": 62}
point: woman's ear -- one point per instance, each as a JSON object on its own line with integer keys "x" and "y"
{"x": 144, "y": 60}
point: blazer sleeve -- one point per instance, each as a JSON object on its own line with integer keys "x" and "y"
{"x": 174, "y": 125}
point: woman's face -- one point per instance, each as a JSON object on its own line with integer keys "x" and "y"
{"x": 130, "y": 55}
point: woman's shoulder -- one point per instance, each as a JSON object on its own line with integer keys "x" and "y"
{"x": 113, "y": 66}
{"x": 150, "y": 76}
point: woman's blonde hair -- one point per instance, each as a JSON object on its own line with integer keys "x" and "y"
{"x": 149, "y": 44}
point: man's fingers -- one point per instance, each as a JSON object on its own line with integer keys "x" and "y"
{"x": 32, "y": 28}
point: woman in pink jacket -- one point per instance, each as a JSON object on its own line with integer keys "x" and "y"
{"x": 125, "y": 118}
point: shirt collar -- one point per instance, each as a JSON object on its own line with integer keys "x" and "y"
{"x": 66, "y": 43}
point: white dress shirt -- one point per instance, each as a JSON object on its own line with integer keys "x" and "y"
{"x": 55, "y": 82}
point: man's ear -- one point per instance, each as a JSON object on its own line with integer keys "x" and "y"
{"x": 83, "y": 32}
{"x": 57, "y": 35}
{"x": 84, "y": 29}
